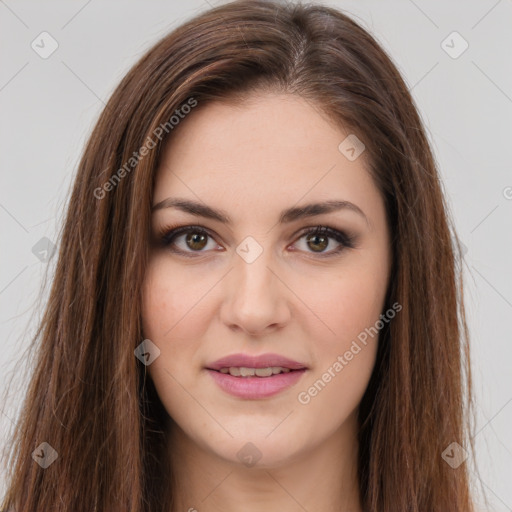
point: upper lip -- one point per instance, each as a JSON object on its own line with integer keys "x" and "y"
{"x": 261, "y": 361}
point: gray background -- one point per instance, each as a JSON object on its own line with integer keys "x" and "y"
{"x": 50, "y": 105}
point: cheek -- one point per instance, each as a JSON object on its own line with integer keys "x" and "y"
{"x": 157, "y": 301}
{"x": 350, "y": 305}
{"x": 348, "y": 302}
{"x": 171, "y": 319}
{"x": 171, "y": 304}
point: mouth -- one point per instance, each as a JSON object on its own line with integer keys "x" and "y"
{"x": 253, "y": 378}
{"x": 254, "y": 387}
{"x": 263, "y": 365}
{"x": 245, "y": 372}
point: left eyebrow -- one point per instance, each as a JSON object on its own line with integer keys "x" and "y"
{"x": 287, "y": 216}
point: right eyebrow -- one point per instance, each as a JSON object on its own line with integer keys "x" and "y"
{"x": 289, "y": 215}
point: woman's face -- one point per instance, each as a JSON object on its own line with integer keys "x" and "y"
{"x": 260, "y": 284}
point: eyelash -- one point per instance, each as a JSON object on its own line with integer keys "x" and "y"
{"x": 169, "y": 233}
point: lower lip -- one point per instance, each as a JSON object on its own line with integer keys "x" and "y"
{"x": 256, "y": 387}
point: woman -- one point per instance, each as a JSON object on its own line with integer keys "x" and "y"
{"x": 256, "y": 302}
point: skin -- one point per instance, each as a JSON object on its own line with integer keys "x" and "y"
{"x": 273, "y": 152}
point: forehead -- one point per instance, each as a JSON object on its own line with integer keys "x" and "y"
{"x": 271, "y": 149}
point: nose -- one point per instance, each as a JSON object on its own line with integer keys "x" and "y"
{"x": 256, "y": 299}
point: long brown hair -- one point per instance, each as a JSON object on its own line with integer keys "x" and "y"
{"x": 91, "y": 399}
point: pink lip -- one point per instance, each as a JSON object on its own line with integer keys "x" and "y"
{"x": 261, "y": 361}
{"x": 252, "y": 388}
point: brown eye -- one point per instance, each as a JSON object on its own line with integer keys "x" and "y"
{"x": 317, "y": 242}
{"x": 187, "y": 240}
{"x": 196, "y": 241}
{"x": 318, "y": 239}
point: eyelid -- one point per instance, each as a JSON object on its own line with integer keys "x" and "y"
{"x": 345, "y": 239}
{"x": 170, "y": 232}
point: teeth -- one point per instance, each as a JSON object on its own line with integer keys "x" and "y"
{"x": 263, "y": 372}
{"x": 251, "y": 372}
